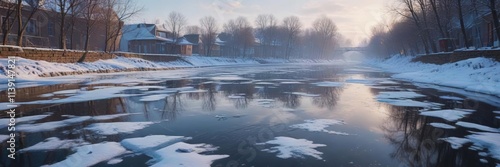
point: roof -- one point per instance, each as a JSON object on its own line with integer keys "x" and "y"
{"x": 183, "y": 41}
{"x": 142, "y": 32}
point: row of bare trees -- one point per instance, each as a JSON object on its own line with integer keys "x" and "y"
{"x": 267, "y": 37}
{"x": 421, "y": 24}
{"x": 109, "y": 14}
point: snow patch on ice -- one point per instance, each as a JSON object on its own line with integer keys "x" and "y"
{"x": 320, "y": 125}
{"x": 4, "y": 138}
{"x": 451, "y": 98}
{"x": 488, "y": 141}
{"x": 409, "y": 103}
{"x": 114, "y": 128}
{"x": 54, "y": 143}
{"x": 442, "y": 125}
{"x": 4, "y": 122}
{"x": 456, "y": 142}
{"x": 183, "y": 154}
{"x": 92, "y": 154}
{"x": 148, "y": 143}
{"x": 48, "y": 126}
{"x": 328, "y": 84}
{"x": 477, "y": 126}
{"x": 449, "y": 114}
{"x": 398, "y": 95}
{"x": 114, "y": 161}
{"x": 288, "y": 147}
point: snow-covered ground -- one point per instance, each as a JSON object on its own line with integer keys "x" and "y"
{"x": 28, "y": 70}
{"x": 475, "y": 74}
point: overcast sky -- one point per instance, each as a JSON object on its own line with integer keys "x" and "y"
{"x": 354, "y": 18}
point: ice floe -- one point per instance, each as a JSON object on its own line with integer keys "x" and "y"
{"x": 451, "y": 98}
{"x": 449, "y": 114}
{"x": 150, "y": 98}
{"x": 108, "y": 117}
{"x": 442, "y": 125}
{"x": 4, "y": 138}
{"x": 487, "y": 140}
{"x": 54, "y": 143}
{"x": 290, "y": 82}
{"x": 92, "y": 154}
{"x": 477, "y": 126}
{"x": 398, "y": 95}
{"x": 183, "y": 154}
{"x": 50, "y": 126}
{"x": 303, "y": 94}
{"x": 288, "y": 147}
{"x": 4, "y": 122}
{"x": 236, "y": 96}
{"x": 409, "y": 103}
{"x": 114, "y": 161}
{"x": 114, "y": 128}
{"x": 456, "y": 142}
{"x": 148, "y": 143}
{"x": 320, "y": 125}
{"x": 328, "y": 84}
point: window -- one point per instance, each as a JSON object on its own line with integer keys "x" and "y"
{"x": 32, "y": 27}
{"x": 50, "y": 28}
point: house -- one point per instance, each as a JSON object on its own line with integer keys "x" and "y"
{"x": 195, "y": 40}
{"x": 146, "y": 38}
{"x": 43, "y": 30}
{"x": 183, "y": 47}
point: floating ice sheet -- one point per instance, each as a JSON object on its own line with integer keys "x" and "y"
{"x": 114, "y": 128}
{"x": 328, "y": 84}
{"x": 456, "y": 142}
{"x": 451, "y": 98}
{"x": 398, "y": 95}
{"x": 288, "y": 147}
{"x": 183, "y": 154}
{"x": 449, "y": 115}
{"x": 54, "y": 143}
{"x": 148, "y": 143}
{"x": 477, "y": 126}
{"x": 320, "y": 125}
{"x": 489, "y": 141}
{"x": 409, "y": 103}
{"x": 50, "y": 126}
{"x": 89, "y": 155}
{"x": 4, "y": 122}
{"x": 150, "y": 98}
{"x": 442, "y": 125}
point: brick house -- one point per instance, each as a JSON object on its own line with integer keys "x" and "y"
{"x": 43, "y": 31}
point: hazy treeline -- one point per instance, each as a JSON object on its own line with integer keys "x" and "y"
{"x": 107, "y": 14}
{"x": 266, "y": 36}
{"x": 420, "y": 25}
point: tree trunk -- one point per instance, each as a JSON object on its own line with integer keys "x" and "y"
{"x": 462, "y": 25}
{"x": 20, "y": 33}
{"x": 495, "y": 18}
{"x": 62, "y": 39}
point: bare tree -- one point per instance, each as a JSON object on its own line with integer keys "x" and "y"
{"x": 462, "y": 25}
{"x": 176, "y": 22}
{"x": 8, "y": 19}
{"x": 209, "y": 29}
{"x": 116, "y": 12}
{"x": 326, "y": 31}
{"x": 33, "y": 7}
{"x": 193, "y": 30}
{"x": 292, "y": 28}
{"x": 63, "y": 8}
{"x": 91, "y": 15}
{"x": 266, "y": 31}
{"x": 494, "y": 13}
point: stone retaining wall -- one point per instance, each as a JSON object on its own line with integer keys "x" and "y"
{"x": 52, "y": 55}
{"x": 450, "y": 57}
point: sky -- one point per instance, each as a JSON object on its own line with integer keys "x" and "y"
{"x": 354, "y": 18}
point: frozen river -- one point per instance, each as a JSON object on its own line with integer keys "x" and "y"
{"x": 267, "y": 115}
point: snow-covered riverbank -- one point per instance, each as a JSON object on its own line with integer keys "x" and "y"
{"x": 27, "y": 69}
{"x": 475, "y": 74}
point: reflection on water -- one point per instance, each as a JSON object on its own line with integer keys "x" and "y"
{"x": 229, "y": 112}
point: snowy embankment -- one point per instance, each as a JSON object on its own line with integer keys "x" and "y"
{"x": 27, "y": 69}
{"x": 476, "y": 74}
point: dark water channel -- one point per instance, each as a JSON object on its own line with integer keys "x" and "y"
{"x": 233, "y": 108}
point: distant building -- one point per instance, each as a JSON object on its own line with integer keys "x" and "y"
{"x": 195, "y": 39}
{"x": 146, "y": 38}
{"x": 43, "y": 31}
